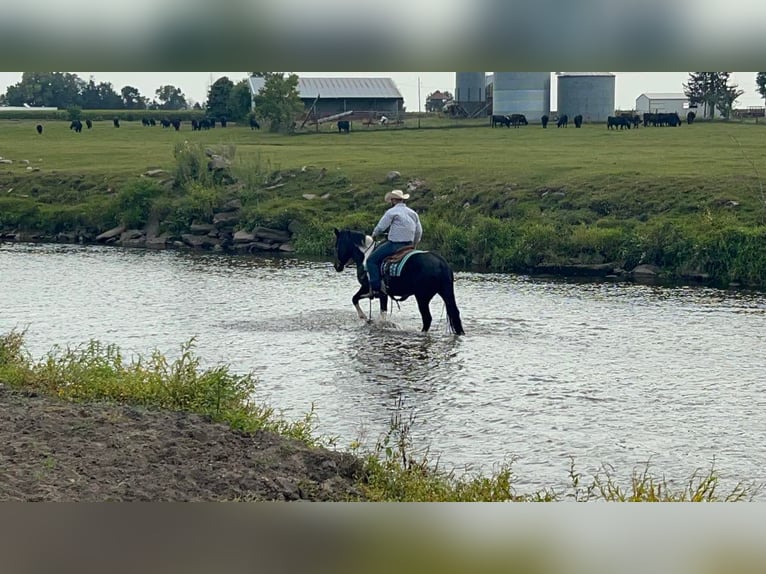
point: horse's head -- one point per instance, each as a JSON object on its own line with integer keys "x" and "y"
{"x": 343, "y": 249}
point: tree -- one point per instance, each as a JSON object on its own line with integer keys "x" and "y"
{"x": 56, "y": 89}
{"x": 278, "y": 101}
{"x": 760, "y": 81}
{"x": 132, "y": 98}
{"x": 712, "y": 90}
{"x": 170, "y": 98}
{"x": 240, "y": 101}
{"x": 218, "y": 98}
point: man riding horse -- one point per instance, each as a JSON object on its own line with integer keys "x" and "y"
{"x": 404, "y": 230}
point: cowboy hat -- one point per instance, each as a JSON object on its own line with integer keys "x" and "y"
{"x": 397, "y": 194}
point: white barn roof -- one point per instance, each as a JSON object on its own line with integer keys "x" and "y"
{"x": 664, "y": 96}
{"x": 368, "y": 88}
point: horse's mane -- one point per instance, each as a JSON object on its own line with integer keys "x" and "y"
{"x": 357, "y": 237}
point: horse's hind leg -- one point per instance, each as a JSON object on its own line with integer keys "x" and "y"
{"x": 425, "y": 311}
{"x": 355, "y": 301}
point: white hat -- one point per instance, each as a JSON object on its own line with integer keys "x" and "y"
{"x": 397, "y": 194}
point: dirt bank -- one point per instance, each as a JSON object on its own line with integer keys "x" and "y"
{"x": 58, "y": 451}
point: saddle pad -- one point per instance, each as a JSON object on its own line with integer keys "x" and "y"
{"x": 395, "y": 269}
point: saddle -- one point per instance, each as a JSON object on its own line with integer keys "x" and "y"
{"x": 393, "y": 264}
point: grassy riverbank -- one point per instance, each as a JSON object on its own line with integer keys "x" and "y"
{"x": 83, "y": 423}
{"x": 689, "y": 200}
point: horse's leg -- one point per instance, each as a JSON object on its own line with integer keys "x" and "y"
{"x": 363, "y": 290}
{"x": 425, "y": 311}
{"x": 384, "y": 308}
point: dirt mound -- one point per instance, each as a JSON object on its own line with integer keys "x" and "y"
{"x": 55, "y": 450}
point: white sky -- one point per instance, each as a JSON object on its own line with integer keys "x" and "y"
{"x": 194, "y": 85}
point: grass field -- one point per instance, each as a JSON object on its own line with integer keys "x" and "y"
{"x": 639, "y": 185}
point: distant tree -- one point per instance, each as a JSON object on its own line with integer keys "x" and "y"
{"x": 240, "y": 101}
{"x": 196, "y": 106}
{"x": 132, "y": 98}
{"x": 218, "y": 97}
{"x": 712, "y": 90}
{"x": 170, "y": 98}
{"x": 760, "y": 81}
{"x": 56, "y": 89}
{"x": 278, "y": 101}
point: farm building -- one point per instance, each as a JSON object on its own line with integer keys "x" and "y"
{"x": 435, "y": 102}
{"x": 589, "y": 94}
{"x": 365, "y": 97}
{"x": 662, "y": 103}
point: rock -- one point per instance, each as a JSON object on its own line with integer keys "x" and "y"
{"x": 309, "y": 196}
{"x": 199, "y": 241}
{"x": 226, "y": 218}
{"x": 201, "y": 228}
{"x": 294, "y": 226}
{"x": 155, "y": 173}
{"x": 111, "y": 234}
{"x": 24, "y": 161}
{"x": 415, "y": 185}
{"x": 392, "y": 176}
{"x": 287, "y": 248}
{"x": 242, "y": 236}
{"x": 30, "y": 168}
{"x": 645, "y": 270}
{"x": 271, "y": 235}
{"x": 218, "y": 162}
{"x": 231, "y": 205}
{"x": 326, "y": 196}
{"x": 157, "y": 242}
{"x": 6, "y": 161}
{"x": 130, "y": 235}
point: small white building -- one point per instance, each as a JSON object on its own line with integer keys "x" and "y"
{"x": 664, "y": 103}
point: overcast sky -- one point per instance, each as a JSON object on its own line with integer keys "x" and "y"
{"x": 194, "y": 85}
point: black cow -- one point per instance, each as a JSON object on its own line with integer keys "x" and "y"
{"x": 145, "y": 122}
{"x": 620, "y": 122}
{"x": 223, "y": 121}
{"x": 76, "y": 125}
{"x": 635, "y": 120}
{"x": 504, "y": 120}
{"x": 165, "y": 122}
{"x": 116, "y": 122}
{"x": 89, "y": 123}
{"x": 578, "y": 121}
{"x": 39, "y": 129}
{"x": 152, "y": 122}
{"x": 176, "y": 123}
{"x": 690, "y": 117}
{"x": 195, "y": 125}
{"x": 544, "y": 121}
{"x": 254, "y": 125}
{"x": 563, "y": 121}
{"x": 518, "y": 120}
{"x": 344, "y": 126}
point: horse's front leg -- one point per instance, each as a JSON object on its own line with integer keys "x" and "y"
{"x": 384, "y": 308}
{"x": 363, "y": 292}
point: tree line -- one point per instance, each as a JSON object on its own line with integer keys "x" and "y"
{"x": 712, "y": 91}
{"x": 65, "y": 90}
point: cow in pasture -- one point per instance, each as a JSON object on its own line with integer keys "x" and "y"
{"x": 176, "y": 123}
{"x": 690, "y": 117}
{"x": 76, "y": 125}
{"x": 223, "y": 121}
{"x": 152, "y": 122}
{"x": 636, "y": 121}
{"x": 616, "y": 122}
{"x": 195, "y": 125}
{"x": 344, "y": 126}
{"x": 563, "y": 121}
{"x": 165, "y": 122}
{"x": 504, "y": 120}
{"x": 39, "y": 129}
{"x": 518, "y": 120}
{"x": 254, "y": 125}
{"x": 88, "y": 123}
{"x": 544, "y": 121}
{"x": 116, "y": 122}
{"x": 578, "y": 121}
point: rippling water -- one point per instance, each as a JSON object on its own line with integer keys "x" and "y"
{"x": 604, "y": 373}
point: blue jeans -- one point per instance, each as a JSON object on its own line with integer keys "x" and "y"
{"x": 378, "y": 255}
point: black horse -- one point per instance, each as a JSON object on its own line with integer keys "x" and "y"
{"x": 424, "y": 275}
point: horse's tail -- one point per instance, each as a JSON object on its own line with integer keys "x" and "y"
{"x": 453, "y": 313}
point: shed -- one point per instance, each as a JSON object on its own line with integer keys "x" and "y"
{"x": 662, "y": 103}
{"x": 366, "y": 97}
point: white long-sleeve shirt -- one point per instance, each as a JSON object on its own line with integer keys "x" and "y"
{"x": 403, "y": 224}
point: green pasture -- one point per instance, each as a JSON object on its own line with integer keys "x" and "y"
{"x": 688, "y": 199}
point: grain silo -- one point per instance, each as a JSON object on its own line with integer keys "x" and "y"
{"x": 590, "y": 94}
{"x": 527, "y": 93}
{"x": 470, "y": 90}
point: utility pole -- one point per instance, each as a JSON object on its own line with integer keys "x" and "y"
{"x": 418, "y": 102}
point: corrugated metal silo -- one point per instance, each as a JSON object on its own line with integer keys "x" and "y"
{"x": 470, "y": 90}
{"x": 527, "y": 93}
{"x": 590, "y": 94}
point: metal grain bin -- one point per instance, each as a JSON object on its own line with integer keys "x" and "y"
{"x": 527, "y": 93}
{"x": 590, "y": 94}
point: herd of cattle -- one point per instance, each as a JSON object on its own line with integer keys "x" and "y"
{"x": 196, "y": 125}
{"x": 616, "y": 122}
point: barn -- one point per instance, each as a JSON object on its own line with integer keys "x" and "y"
{"x": 366, "y": 97}
{"x": 662, "y": 103}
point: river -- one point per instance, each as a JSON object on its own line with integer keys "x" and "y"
{"x": 549, "y": 371}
